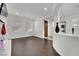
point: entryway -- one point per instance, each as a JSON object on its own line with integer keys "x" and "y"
{"x": 45, "y": 29}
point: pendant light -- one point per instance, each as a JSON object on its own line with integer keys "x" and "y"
{"x": 3, "y": 29}
{"x": 1, "y": 7}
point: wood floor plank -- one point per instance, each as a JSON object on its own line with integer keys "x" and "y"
{"x": 32, "y": 46}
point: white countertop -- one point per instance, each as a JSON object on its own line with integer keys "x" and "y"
{"x": 65, "y": 34}
{"x": 66, "y": 44}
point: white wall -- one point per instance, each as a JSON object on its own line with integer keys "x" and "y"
{"x": 19, "y": 26}
{"x": 23, "y": 27}
{"x": 39, "y": 28}
{"x": 70, "y": 21}
{"x": 50, "y": 28}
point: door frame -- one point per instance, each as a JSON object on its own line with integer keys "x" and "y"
{"x": 45, "y": 33}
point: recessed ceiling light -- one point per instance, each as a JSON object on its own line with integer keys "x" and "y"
{"x": 75, "y": 24}
{"x": 45, "y": 9}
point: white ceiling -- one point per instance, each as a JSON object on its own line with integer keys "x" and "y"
{"x": 36, "y": 10}
{"x": 33, "y": 10}
{"x": 69, "y": 9}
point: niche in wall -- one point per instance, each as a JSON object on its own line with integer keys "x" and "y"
{"x": 63, "y": 26}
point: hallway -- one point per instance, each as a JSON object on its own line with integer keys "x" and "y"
{"x": 32, "y": 46}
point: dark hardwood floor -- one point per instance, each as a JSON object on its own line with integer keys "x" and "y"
{"x": 32, "y": 46}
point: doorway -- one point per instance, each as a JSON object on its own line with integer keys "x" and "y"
{"x": 45, "y": 29}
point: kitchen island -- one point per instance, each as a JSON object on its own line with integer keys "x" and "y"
{"x": 66, "y": 44}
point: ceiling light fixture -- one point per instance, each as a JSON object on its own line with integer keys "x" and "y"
{"x": 45, "y": 9}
